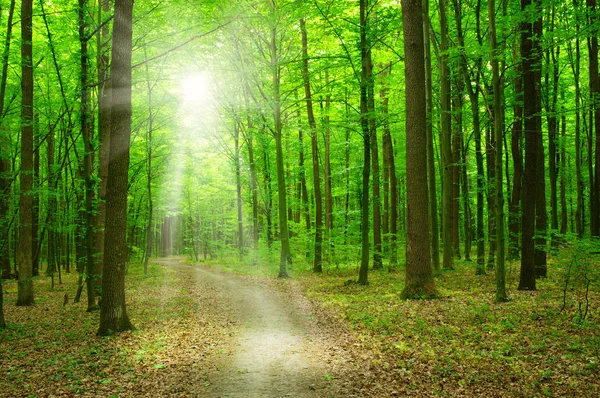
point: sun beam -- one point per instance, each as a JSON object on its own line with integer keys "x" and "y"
{"x": 195, "y": 88}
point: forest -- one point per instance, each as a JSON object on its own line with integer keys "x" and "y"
{"x": 306, "y": 198}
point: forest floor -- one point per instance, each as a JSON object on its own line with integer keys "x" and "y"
{"x": 230, "y": 329}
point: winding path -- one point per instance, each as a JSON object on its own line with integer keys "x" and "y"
{"x": 274, "y": 353}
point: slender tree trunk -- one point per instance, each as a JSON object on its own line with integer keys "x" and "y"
{"x": 595, "y": 103}
{"x": 35, "y": 220}
{"x": 328, "y": 177}
{"x": 252, "y": 164}
{"x": 419, "y": 276}
{"x": 456, "y": 166}
{"x": 25, "y": 246}
{"x": 317, "y": 261}
{"x": 113, "y": 312}
{"x": 302, "y": 190}
{"x": 104, "y": 109}
{"x": 86, "y": 132}
{"x": 432, "y": 192}
{"x": 376, "y": 184}
{"x": 238, "y": 185}
{"x": 363, "y": 277}
{"x": 445, "y": 138}
{"x": 498, "y": 132}
{"x": 514, "y": 213}
{"x": 5, "y": 156}
{"x": 563, "y": 172}
{"x": 150, "y": 225}
{"x": 283, "y": 219}
{"x": 389, "y": 161}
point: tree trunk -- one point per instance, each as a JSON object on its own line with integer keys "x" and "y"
{"x": 238, "y": 189}
{"x": 419, "y": 276}
{"x": 317, "y": 260}
{"x": 445, "y": 138}
{"x": 514, "y": 214}
{"x": 149, "y": 226}
{"x": 4, "y": 155}
{"x": 456, "y": 160}
{"x": 377, "y": 241}
{"x": 390, "y": 165}
{"x": 104, "y": 109}
{"x": 363, "y": 277}
{"x": 113, "y": 312}
{"x": 283, "y": 223}
{"x": 328, "y": 178}
{"x": 432, "y": 192}
{"x": 498, "y": 133}
{"x": 25, "y": 246}
{"x": 595, "y": 110}
{"x": 531, "y": 59}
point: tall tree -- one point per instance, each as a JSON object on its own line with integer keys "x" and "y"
{"x": 113, "y": 311}
{"x": 363, "y": 277}
{"x": 433, "y": 207}
{"x": 445, "y": 139}
{"x": 531, "y": 62}
{"x": 25, "y": 247}
{"x": 278, "y": 132}
{"x": 498, "y": 133}
{"x": 4, "y": 154}
{"x": 317, "y": 265}
{"x": 419, "y": 276}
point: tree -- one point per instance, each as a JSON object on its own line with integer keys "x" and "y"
{"x": 531, "y": 59}
{"x": 25, "y": 248}
{"x": 113, "y": 311}
{"x": 498, "y": 132}
{"x": 363, "y": 277}
{"x": 317, "y": 266}
{"x": 419, "y": 276}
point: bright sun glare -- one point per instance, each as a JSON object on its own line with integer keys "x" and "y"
{"x": 195, "y": 88}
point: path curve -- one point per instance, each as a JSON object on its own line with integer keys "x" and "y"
{"x": 274, "y": 353}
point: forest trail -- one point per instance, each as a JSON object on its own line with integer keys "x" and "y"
{"x": 273, "y": 352}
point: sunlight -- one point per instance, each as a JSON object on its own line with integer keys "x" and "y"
{"x": 195, "y": 88}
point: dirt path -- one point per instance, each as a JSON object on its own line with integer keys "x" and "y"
{"x": 275, "y": 350}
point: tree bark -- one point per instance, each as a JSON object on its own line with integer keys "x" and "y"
{"x": 446, "y": 137}
{"x": 25, "y": 246}
{"x": 318, "y": 257}
{"x": 501, "y": 295}
{"x": 4, "y": 155}
{"x": 432, "y": 185}
{"x": 419, "y": 276}
{"x": 113, "y": 311}
{"x": 363, "y": 277}
{"x": 531, "y": 59}
{"x": 281, "y": 187}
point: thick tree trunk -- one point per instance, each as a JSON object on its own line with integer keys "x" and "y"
{"x": 317, "y": 260}
{"x": 25, "y": 246}
{"x": 419, "y": 276}
{"x": 113, "y": 312}
{"x": 531, "y": 59}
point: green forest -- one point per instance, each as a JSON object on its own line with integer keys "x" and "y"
{"x": 300, "y": 198}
